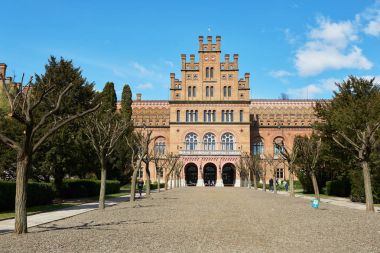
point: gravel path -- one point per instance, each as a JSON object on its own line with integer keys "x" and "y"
{"x": 207, "y": 220}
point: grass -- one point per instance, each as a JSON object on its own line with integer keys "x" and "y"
{"x": 124, "y": 190}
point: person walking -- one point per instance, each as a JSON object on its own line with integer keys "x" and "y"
{"x": 271, "y": 184}
{"x": 140, "y": 186}
{"x": 286, "y": 186}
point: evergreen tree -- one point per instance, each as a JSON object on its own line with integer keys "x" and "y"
{"x": 108, "y": 97}
{"x": 126, "y": 102}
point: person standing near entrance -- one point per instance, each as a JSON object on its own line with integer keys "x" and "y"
{"x": 271, "y": 184}
{"x": 140, "y": 186}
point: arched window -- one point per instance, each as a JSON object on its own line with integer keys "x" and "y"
{"x": 222, "y": 115}
{"x": 211, "y": 72}
{"x": 227, "y": 115}
{"x": 205, "y": 116}
{"x": 231, "y": 116}
{"x": 189, "y": 91}
{"x": 187, "y": 115}
{"x": 214, "y": 116}
{"x": 229, "y": 91}
{"x": 196, "y": 116}
{"x": 159, "y": 146}
{"x": 258, "y": 147}
{"x": 191, "y": 115}
{"x": 278, "y": 147}
{"x": 227, "y": 141}
{"x": 207, "y": 72}
{"x": 194, "y": 91}
{"x": 209, "y": 116}
{"x": 178, "y": 115}
{"x": 207, "y": 91}
{"x": 209, "y": 141}
{"x": 225, "y": 91}
{"x": 211, "y": 91}
{"x": 191, "y": 141}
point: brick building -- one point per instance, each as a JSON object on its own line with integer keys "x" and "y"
{"x": 210, "y": 119}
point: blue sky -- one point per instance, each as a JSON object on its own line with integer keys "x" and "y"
{"x": 296, "y": 47}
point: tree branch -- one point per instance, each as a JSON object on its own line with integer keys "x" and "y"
{"x": 9, "y": 142}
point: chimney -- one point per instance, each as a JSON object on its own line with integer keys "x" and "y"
{"x": 247, "y": 76}
{"x": 183, "y": 59}
{"x": 218, "y": 39}
{"x": 138, "y": 96}
{"x": 172, "y": 80}
{"x": 227, "y": 58}
{"x": 3, "y": 70}
{"x": 200, "y": 38}
{"x": 192, "y": 57}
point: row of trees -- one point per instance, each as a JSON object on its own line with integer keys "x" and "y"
{"x": 345, "y": 142}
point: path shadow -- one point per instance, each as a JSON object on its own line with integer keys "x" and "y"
{"x": 88, "y": 225}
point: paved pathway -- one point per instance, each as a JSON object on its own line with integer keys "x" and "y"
{"x": 208, "y": 219}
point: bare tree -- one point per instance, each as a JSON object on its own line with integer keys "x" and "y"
{"x": 139, "y": 146}
{"x": 271, "y": 163}
{"x": 171, "y": 163}
{"x": 309, "y": 151}
{"x": 243, "y": 169}
{"x": 104, "y": 130}
{"x": 160, "y": 163}
{"x": 289, "y": 155}
{"x": 39, "y": 123}
{"x": 253, "y": 163}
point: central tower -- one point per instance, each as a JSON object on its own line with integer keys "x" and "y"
{"x": 209, "y": 114}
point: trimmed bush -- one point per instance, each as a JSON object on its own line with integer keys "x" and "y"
{"x": 37, "y": 194}
{"x": 80, "y": 188}
{"x": 154, "y": 185}
{"x": 340, "y": 188}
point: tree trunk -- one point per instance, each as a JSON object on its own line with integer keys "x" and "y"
{"x": 133, "y": 185}
{"x": 315, "y": 185}
{"x": 254, "y": 181}
{"x": 58, "y": 179}
{"x": 166, "y": 179}
{"x": 24, "y": 159}
{"x": 275, "y": 184}
{"x": 367, "y": 187}
{"x": 171, "y": 181}
{"x": 264, "y": 182}
{"x": 147, "y": 180}
{"x": 103, "y": 175}
{"x": 249, "y": 179}
{"x": 291, "y": 184}
{"x": 158, "y": 182}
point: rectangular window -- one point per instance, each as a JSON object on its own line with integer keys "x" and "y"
{"x": 280, "y": 173}
{"x": 222, "y": 115}
{"x": 241, "y": 115}
{"x": 196, "y": 115}
{"x": 225, "y": 91}
{"x": 227, "y": 116}
{"x": 205, "y": 116}
{"x": 187, "y": 115}
{"x": 191, "y": 115}
{"x": 232, "y": 116}
{"x": 194, "y": 91}
{"x": 229, "y": 91}
{"x": 209, "y": 116}
{"x": 189, "y": 91}
{"x": 178, "y": 115}
{"x": 211, "y": 91}
{"x": 214, "y": 116}
{"x": 207, "y": 91}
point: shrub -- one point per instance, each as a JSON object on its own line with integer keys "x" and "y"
{"x": 80, "y": 188}
{"x": 153, "y": 186}
{"x": 340, "y": 188}
{"x": 37, "y": 194}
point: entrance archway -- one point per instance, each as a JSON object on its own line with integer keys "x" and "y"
{"x": 191, "y": 174}
{"x": 209, "y": 174}
{"x": 228, "y": 174}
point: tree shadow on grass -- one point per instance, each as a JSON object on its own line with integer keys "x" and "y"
{"x": 88, "y": 225}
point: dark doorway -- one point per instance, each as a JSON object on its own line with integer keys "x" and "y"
{"x": 228, "y": 175}
{"x": 191, "y": 175}
{"x": 209, "y": 174}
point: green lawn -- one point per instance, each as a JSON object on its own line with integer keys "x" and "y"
{"x": 124, "y": 190}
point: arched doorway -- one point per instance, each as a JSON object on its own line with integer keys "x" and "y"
{"x": 209, "y": 174}
{"x": 191, "y": 174}
{"x": 228, "y": 174}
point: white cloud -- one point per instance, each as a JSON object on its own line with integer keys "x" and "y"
{"x": 290, "y": 37}
{"x": 330, "y": 46}
{"x": 169, "y": 63}
{"x": 142, "y": 70}
{"x": 144, "y": 86}
{"x": 314, "y": 90}
{"x": 280, "y": 73}
{"x": 372, "y": 16}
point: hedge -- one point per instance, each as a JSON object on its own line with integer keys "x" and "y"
{"x": 340, "y": 188}
{"x": 154, "y": 185}
{"x": 79, "y": 188}
{"x": 37, "y": 194}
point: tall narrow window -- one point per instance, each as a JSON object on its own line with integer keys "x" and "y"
{"x": 178, "y": 115}
{"x": 211, "y": 72}
{"x": 241, "y": 115}
{"x": 207, "y": 72}
{"x": 207, "y": 91}
{"x": 214, "y": 116}
{"x": 196, "y": 116}
{"x": 231, "y": 116}
{"x": 222, "y": 115}
{"x": 211, "y": 91}
{"x": 204, "y": 116}
{"x": 187, "y": 115}
{"x": 229, "y": 91}
{"x": 228, "y": 116}
{"x": 209, "y": 116}
{"x": 225, "y": 91}
{"x": 191, "y": 115}
{"x": 194, "y": 91}
{"x": 189, "y": 91}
